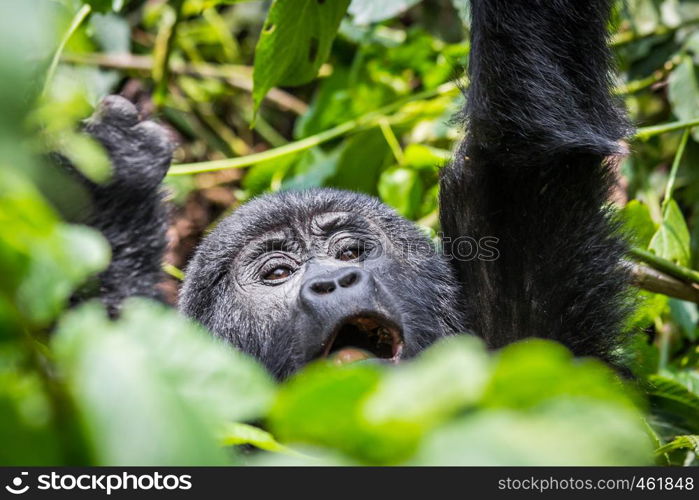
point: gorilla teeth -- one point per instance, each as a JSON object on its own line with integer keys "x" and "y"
{"x": 371, "y": 336}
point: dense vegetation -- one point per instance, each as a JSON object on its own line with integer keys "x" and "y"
{"x": 345, "y": 94}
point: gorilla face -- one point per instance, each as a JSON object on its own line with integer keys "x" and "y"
{"x": 294, "y": 276}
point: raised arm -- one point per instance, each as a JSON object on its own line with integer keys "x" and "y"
{"x": 534, "y": 171}
{"x": 129, "y": 209}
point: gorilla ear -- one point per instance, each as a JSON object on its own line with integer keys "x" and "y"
{"x": 140, "y": 151}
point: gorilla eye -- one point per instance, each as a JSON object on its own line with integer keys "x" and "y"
{"x": 351, "y": 253}
{"x": 278, "y": 273}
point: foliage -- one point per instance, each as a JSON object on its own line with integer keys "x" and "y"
{"x": 366, "y": 105}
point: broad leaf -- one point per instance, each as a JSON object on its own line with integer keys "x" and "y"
{"x": 530, "y": 372}
{"x": 152, "y": 387}
{"x": 683, "y": 92}
{"x": 671, "y": 241}
{"x": 426, "y": 390}
{"x": 638, "y": 223}
{"x": 295, "y": 40}
{"x": 361, "y": 160}
{"x": 371, "y": 11}
{"x": 563, "y": 431}
{"x": 402, "y": 189}
{"x": 323, "y": 406}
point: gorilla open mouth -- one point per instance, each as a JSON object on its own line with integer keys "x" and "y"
{"x": 364, "y": 337}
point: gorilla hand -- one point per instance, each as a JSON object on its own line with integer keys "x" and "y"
{"x": 140, "y": 150}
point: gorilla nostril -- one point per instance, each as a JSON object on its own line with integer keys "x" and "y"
{"x": 323, "y": 287}
{"x": 348, "y": 279}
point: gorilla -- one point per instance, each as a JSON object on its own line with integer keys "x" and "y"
{"x": 294, "y": 276}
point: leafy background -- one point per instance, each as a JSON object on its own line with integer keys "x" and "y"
{"x": 262, "y": 96}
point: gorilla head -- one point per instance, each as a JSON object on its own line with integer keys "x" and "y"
{"x": 294, "y": 276}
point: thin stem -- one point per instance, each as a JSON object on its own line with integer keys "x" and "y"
{"x": 675, "y": 166}
{"x": 680, "y": 272}
{"x": 163, "y": 50}
{"x": 173, "y": 271}
{"x": 657, "y": 76}
{"x": 365, "y": 121}
{"x": 78, "y": 19}
{"x": 270, "y": 154}
{"x": 391, "y": 139}
{"x": 632, "y": 36}
{"x": 645, "y": 133}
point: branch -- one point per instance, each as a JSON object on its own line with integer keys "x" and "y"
{"x": 656, "y": 77}
{"x": 680, "y": 272}
{"x": 363, "y": 122}
{"x": 236, "y": 76}
{"x": 631, "y": 36}
{"x": 659, "y": 282}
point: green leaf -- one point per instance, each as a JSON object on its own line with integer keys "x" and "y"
{"x": 686, "y": 314}
{"x": 672, "y": 241}
{"x": 687, "y": 442}
{"x": 683, "y": 92}
{"x": 313, "y": 169}
{"x": 361, "y": 160}
{"x": 195, "y": 7}
{"x": 425, "y": 157}
{"x": 402, "y": 189}
{"x": 371, "y": 11}
{"x": 675, "y": 399}
{"x": 449, "y": 376}
{"x": 638, "y": 223}
{"x": 26, "y": 431}
{"x": 235, "y": 434}
{"x": 112, "y": 32}
{"x": 322, "y": 405}
{"x": 295, "y": 41}
{"x": 643, "y": 357}
{"x": 563, "y": 431}
{"x": 649, "y": 307}
{"x": 152, "y": 387}
{"x": 530, "y": 372}
{"x": 87, "y": 155}
{"x": 38, "y": 253}
{"x": 99, "y": 5}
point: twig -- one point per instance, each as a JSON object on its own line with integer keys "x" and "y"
{"x": 656, "y": 77}
{"x": 666, "y": 266}
{"x": 173, "y": 271}
{"x": 365, "y": 121}
{"x": 631, "y": 36}
{"x": 236, "y": 76}
{"x": 656, "y": 281}
{"x": 645, "y": 133}
{"x": 164, "y": 43}
{"x": 74, "y": 25}
{"x": 673, "y": 171}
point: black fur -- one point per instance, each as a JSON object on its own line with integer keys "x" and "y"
{"x": 533, "y": 172}
{"x": 129, "y": 209}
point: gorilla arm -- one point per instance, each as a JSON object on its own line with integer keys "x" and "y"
{"x": 129, "y": 209}
{"x": 534, "y": 172}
